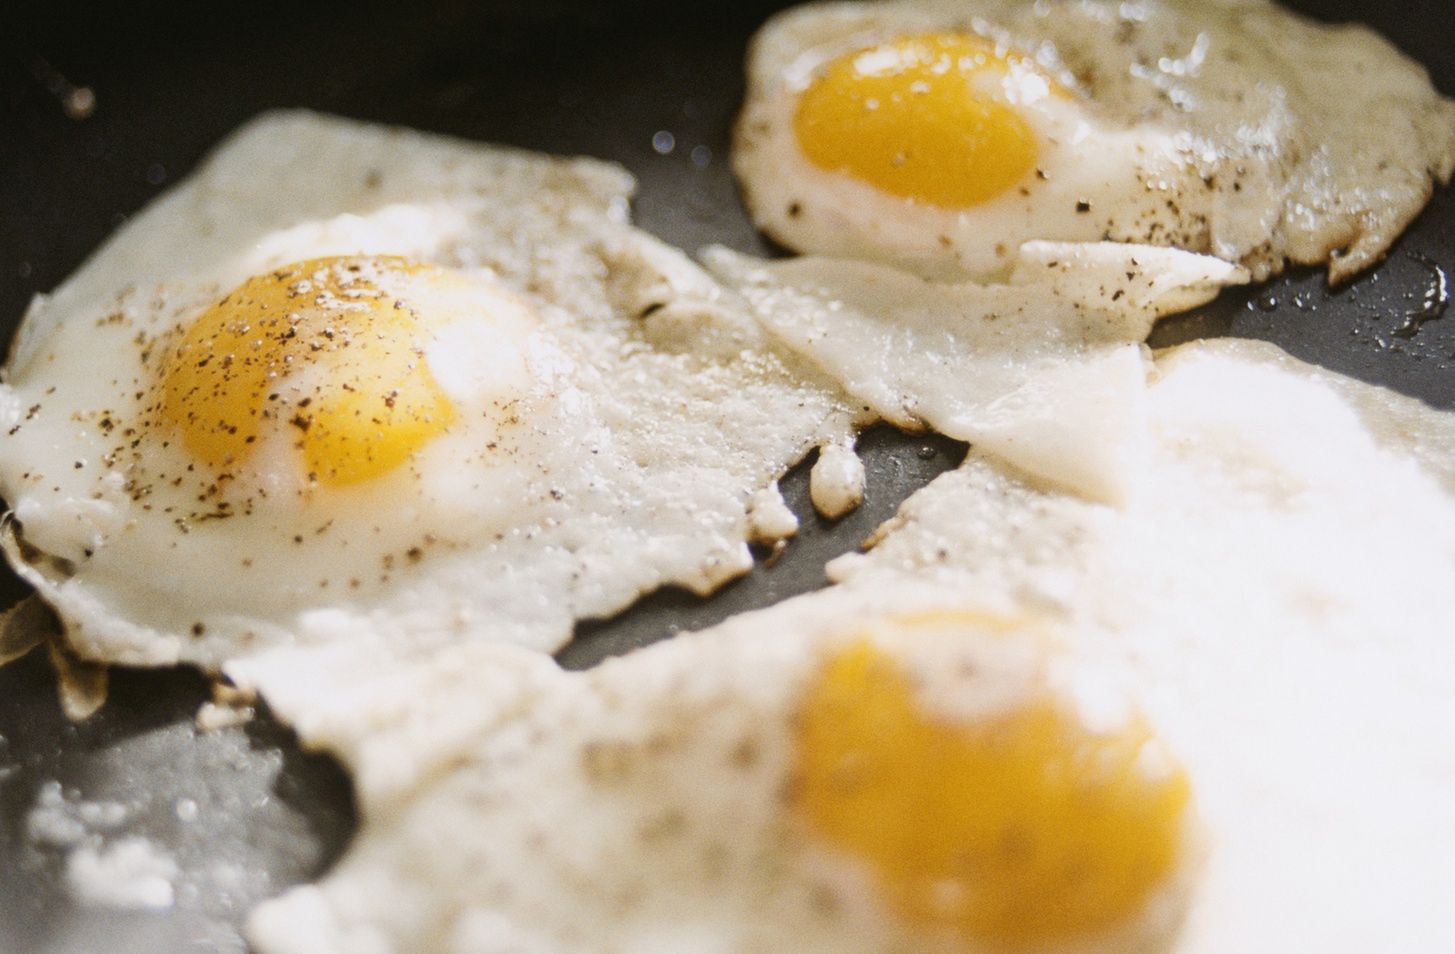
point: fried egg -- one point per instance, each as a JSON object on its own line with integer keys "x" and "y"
{"x": 943, "y": 134}
{"x": 1278, "y": 591}
{"x": 1044, "y": 370}
{"x": 349, "y": 379}
{"x": 838, "y": 773}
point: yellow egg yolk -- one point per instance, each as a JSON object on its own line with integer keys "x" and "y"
{"x": 924, "y": 117}
{"x": 329, "y": 348}
{"x": 1011, "y": 832}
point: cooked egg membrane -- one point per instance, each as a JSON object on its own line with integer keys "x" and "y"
{"x": 943, "y": 134}
{"x": 1264, "y": 621}
{"x": 350, "y": 379}
{"x": 1044, "y": 370}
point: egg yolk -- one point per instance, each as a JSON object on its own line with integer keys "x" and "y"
{"x": 924, "y": 117}
{"x": 1012, "y": 832}
{"x": 329, "y": 348}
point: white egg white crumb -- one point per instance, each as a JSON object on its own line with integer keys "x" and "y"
{"x": 648, "y": 409}
{"x": 836, "y": 482}
{"x": 1235, "y": 128}
{"x": 60, "y": 820}
{"x": 1044, "y": 370}
{"x": 212, "y": 716}
{"x": 643, "y": 806}
{"x": 128, "y": 874}
{"x": 1277, "y": 589}
{"x": 769, "y": 516}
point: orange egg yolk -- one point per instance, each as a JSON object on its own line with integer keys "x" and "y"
{"x": 328, "y": 348}
{"x": 1013, "y": 832}
{"x": 924, "y": 117}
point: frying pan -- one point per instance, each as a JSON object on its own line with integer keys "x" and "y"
{"x": 243, "y": 812}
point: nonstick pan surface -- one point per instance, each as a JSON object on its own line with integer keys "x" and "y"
{"x": 243, "y": 811}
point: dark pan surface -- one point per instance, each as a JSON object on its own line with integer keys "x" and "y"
{"x": 243, "y": 812}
